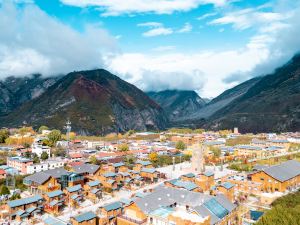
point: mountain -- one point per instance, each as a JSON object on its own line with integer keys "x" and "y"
{"x": 17, "y": 90}
{"x": 95, "y": 101}
{"x": 223, "y": 100}
{"x": 271, "y": 104}
{"x": 178, "y": 104}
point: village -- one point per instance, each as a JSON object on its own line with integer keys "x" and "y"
{"x": 178, "y": 176}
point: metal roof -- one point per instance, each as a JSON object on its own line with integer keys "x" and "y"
{"x": 85, "y": 216}
{"x": 118, "y": 164}
{"x": 110, "y": 174}
{"x": 38, "y": 178}
{"x": 227, "y": 185}
{"x": 112, "y": 206}
{"x": 148, "y": 170}
{"x": 216, "y": 208}
{"x": 144, "y": 163}
{"x": 93, "y": 183}
{"x": 86, "y": 168}
{"x": 24, "y": 201}
{"x": 284, "y": 171}
{"x": 74, "y": 188}
{"x": 189, "y": 175}
{"x": 57, "y": 173}
{"x": 54, "y": 193}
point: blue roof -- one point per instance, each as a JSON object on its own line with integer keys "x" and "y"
{"x": 53, "y": 221}
{"x": 214, "y": 142}
{"x": 31, "y": 209}
{"x": 162, "y": 212}
{"x": 95, "y": 190}
{"x": 54, "y": 193}
{"x": 118, "y": 164}
{"x": 189, "y": 175}
{"x": 85, "y": 217}
{"x": 255, "y": 215}
{"x": 208, "y": 173}
{"x": 144, "y": 163}
{"x": 216, "y": 208}
{"x": 184, "y": 184}
{"x": 53, "y": 203}
{"x": 248, "y": 147}
{"x": 279, "y": 141}
{"x": 227, "y": 185}
{"x": 111, "y": 181}
{"x": 148, "y": 170}
{"x": 74, "y": 188}
{"x": 112, "y": 206}
{"x": 93, "y": 183}
{"x": 126, "y": 201}
{"x": 109, "y": 174}
{"x": 24, "y": 201}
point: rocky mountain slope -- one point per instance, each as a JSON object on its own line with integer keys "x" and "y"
{"x": 17, "y": 90}
{"x": 178, "y": 104}
{"x": 271, "y": 104}
{"x": 95, "y": 101}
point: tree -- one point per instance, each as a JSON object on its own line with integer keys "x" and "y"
{"x": 44, "y": 156}
{"x": 153, "y": 157}
{"x": 216, "y": 151}
{"x": 4, "y": 190}
{"x": 54, "y": 136}
{"x": 35, "y": 158}
{"x": 93, "y": 160}
{"x": 123, "y": 147}
{"x": 4, "y": 134}
{"x": 43, "y": 128}
{"x": 59, "y": 151}
{"x": 180, "y": 145}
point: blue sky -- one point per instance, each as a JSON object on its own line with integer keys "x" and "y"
{"x": 202, "y": 45}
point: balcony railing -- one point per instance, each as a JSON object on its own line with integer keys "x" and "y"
{"x": 139, "y": 222}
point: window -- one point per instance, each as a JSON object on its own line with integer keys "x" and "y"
{"x": 262, "y": 178}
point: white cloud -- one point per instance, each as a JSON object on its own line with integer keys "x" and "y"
{"x": 207, "y": 15}
{"x": 186, "y": 28}
{"x": 164, "y": 48}
{"x": 157, "y": 29}
{"x": 118, "y": 7}
{"x": 33, "y": 42}
{"x": 247, "y": 18}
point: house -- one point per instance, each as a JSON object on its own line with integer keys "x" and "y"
{"x": 118, "y": 167}
{"x": 187, "y": 185}
{"x": 108, "y": 180}
{"x": 149, "y": 174}
{"x": 2, "y": 174}
{"x": 87, "y": 218}
{"x": 55, "y": 201}
{"x": 205, "y": 180}
{"x": 281, "y": 177}
{"x": 19, "y": 163}
{"x": 38, "y": 148}
{"x": 142, "y": 164}
{"x": 24, "y": 208}
{"x": 89, "y": 171}
{"x": 226, "y": 189}
{"x": 93, "y": 190}
{"x": 111, "y": 211}
{"x": 166, "y": 205}
{"x": 74, "y": 195}
{"x": 188, "y": 177}
{"x": 46, "y": 165}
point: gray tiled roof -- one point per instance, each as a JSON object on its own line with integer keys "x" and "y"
{"x": 38, "y": 178}
{"x": 284, "y": 171}
{"x": 57, "y": 173}
{"x": 86, "y": 168}
{"x": 165, "y": 196}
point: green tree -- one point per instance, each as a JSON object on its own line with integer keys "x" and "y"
{"x": 15, "y": 196}
{"x": 4, "y": 190}
{"x": 216, "y": 151}
{"x": 93, "y": 160}
{"x": 59, "y": 151}
{"x": 42, "y": 128}
{"x": 44, "y": 156}
{"x": 35, "y": 158}
{"x": 123, "y": 147}
{"x": 180, "y": 145}
{"x": 4, "y": 134}
{"x": 54, "y": 136}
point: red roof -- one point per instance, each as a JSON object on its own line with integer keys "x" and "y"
{"x": 76, "y": 163}
{"x": 2, "y": 172}
{"x": 75, "y": 155}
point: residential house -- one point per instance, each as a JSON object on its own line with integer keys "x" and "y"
{"x": 74, "y": 195}
{"x": 19, "y": 163}
{"x": 87, "y": 218}
{"x": 54, "y": 201}
{"x": 111, "y": 212}
{"x": 93, "y": 190}
{"x": 142, "y": 164}
{"x": 205, "y": 180}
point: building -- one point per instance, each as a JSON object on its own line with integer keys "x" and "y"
{"x": 74, "y": 195}
{"x": 54, "y": 201}
{"x": 167, "y": 205}
{"x": 87, "y": 218}
{"x": 281, "y": 178}
{"x": 110, "y": 212}
{"x": 46, "y": 165}
{"x": 19, "y": 163}
{"x": 38, "y": 148}
{"x": 93, "y": 190}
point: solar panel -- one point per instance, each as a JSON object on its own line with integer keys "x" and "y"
{"x": 215, "y": 207}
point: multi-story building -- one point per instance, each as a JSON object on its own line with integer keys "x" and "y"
{"x": 39, "y": 148}
{"x": 46, "y": 165}
{"x": 19, "y": 163}
{"x": 281, "y": 178}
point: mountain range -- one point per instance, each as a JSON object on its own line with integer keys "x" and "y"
{"x": 98, "y": 102}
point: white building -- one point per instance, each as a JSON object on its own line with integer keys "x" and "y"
{"x": 47, "y": 165}
{"x": 38, "y": 149}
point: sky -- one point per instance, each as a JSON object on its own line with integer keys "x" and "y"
{"x": 202, "y": 45}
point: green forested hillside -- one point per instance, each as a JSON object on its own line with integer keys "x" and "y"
{"x": 285, "y": 211}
